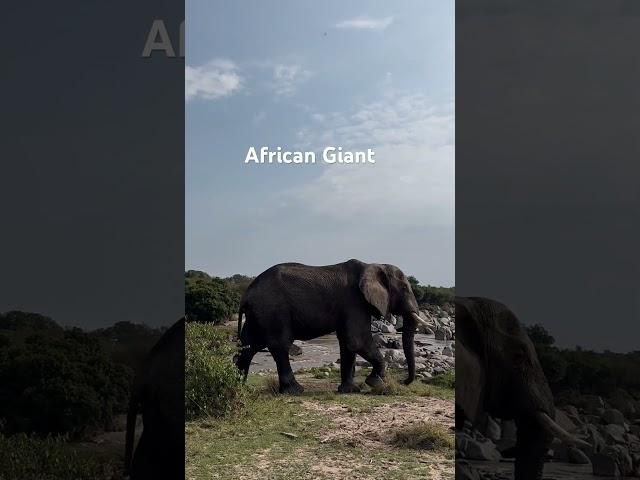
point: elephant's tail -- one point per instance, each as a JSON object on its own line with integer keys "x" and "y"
{"x": 132, "y": 415}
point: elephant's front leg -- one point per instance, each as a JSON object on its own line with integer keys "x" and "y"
{"x": 347, "y": 369}
{"x": 372, "y": 354}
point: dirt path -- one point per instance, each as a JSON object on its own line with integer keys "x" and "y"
{"x": 372, "y": 429}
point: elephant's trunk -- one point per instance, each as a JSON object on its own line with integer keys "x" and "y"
{"x": 532, "y": 445}
{"x": 408, "y": 333}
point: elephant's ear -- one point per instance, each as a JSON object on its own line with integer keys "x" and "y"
{"x": 373, "y": 284}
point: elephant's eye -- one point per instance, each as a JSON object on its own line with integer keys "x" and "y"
{"x": 519, "y": 358}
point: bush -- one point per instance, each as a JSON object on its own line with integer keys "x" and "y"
{"x": 30, "y": 458}
{"x": 60, "y": 385}
{"x": 213, "y": 384}
{"x": 208, "y": 299}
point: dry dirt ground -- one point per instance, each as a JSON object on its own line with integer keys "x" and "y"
{"x": 323, "y": 435}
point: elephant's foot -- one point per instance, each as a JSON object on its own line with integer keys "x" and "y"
{"x": 407, "y": 381}
{"x": 348, "y": 388}
{"x": 374, "y": 381}
{"x": 291, "y": 389}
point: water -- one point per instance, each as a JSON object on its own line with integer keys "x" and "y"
{"x": 323, "y": 350}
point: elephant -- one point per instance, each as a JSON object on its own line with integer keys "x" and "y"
{"x": 292, "y": 301}
{"x": 498, "y": 374}
{"x": 158, "y": 394}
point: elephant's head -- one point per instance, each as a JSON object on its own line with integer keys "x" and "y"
{"x": 388, "y": 290}
{"x": 498, "y": 373}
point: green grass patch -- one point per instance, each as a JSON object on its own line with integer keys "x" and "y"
{"x": 425, "y": 436}
{"x": 31, "y": 458}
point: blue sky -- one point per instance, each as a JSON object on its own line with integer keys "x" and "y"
{"x": 305, "y": 75}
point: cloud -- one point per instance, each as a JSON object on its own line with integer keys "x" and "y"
{"x": 288, "y": 77}
{"x": 363, "y": 23}
{"x": 412, "y": 180}
{"x": 215, "y": 79}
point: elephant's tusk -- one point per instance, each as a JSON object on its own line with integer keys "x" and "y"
{"x": 557, "y": 431}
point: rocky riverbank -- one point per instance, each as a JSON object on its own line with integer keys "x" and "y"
{"x": 434, "y": 346}
{"x": 611, "y": 426}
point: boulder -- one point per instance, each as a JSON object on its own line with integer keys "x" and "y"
{"x": 577, "y": 456}
{"x": 476, "y": 448}
{"x": 443, "y": 333}
{"x": 613, "y": 433}
{"x": 464, "y": 471}
{"x": 613, "y": 416}
{"x": 492, "y": 430}
{"x": 295, "y": 350}
{"x": 447, "y": 351}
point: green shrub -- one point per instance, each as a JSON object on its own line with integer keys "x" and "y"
{"x": 60, "y": 385}
{"x": 30, "y": 458}
{"x": 213, "y": 384}
{"x": 208, "y": 299}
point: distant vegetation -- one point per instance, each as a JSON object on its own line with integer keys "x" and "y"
{"x": 56, "y": 380}
{"x": 214, "y": 299}
{"x": 427, "y": 294}
{"x": 585, "y": 371}
{"x": 59, "y": 384}
{"x": 210, "y": 299}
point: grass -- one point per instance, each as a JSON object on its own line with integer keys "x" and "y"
{"x": 257, "y": 443}
{"x": 31, "y": 458}
{"x": 425, "y": 436}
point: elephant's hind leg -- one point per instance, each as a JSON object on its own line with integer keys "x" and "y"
{"x": 347, "y": 369}
{"x": 288, "y": 383}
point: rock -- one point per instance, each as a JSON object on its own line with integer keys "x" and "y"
{"x": 425, "y": 329}
{"x": 604, "y": 466}
{"x": 443, "y": 333}
{"x": 420, "y": 366}
{"x": 613, "y": 433}
{"x": 577, "y": 456}
{"x": 379, "y": 340}
{"x": 464, "y": 471}
{"x": 394, "y": 343}
{"x": 592, "y": 403}
{"x": 476, "y": 449}
{"x": 385, "y": 328}
{"x": 564, "y": 421}
{"x": 399, "y": 322}
{"x": 613, "y": 416}
{"x": 492, "y": 430}
{"x": 394, "y": 356}
{"x": 447, "y": 351}
{"x": 295, "y": 350}
{"x": 621, "y": 455}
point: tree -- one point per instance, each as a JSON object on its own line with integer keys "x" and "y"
{"x": 208, "y": 299}
{"x": 540, "y": 336}
{"x": 60, "y": 385}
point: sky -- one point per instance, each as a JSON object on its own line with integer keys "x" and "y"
{"x": 304, "y": 76}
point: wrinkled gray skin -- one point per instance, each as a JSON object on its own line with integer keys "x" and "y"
{"x": 498, "y": 373}
{"x": 158, "y": 394}
{"x": 292, "y": 301}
